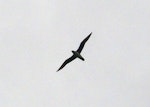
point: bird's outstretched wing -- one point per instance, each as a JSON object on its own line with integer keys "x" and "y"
{"x": 83, "y": 43}
{"x": 67, "y": 61}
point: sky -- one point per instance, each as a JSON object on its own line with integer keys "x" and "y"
{"x": 37, "y": 36}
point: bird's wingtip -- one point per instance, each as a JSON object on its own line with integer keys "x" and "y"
{"x": 90, "y": 34}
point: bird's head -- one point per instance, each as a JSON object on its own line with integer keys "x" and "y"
{"x": 72, "y": 51}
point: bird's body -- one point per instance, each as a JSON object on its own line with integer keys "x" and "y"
{"x": 76, "y": 54}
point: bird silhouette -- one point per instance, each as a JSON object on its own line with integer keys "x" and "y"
{"x": 76, "y": 54}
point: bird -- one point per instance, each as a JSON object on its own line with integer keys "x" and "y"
{"x": 76, "y": 54}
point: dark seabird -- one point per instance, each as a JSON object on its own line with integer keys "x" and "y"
{"x": 76, "y": 54}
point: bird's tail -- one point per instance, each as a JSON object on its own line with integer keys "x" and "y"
{"x": 81, "y": 58}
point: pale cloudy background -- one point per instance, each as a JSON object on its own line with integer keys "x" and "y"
{"x": 36, "y": 36}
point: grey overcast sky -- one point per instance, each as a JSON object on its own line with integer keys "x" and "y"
{"x": 36, "y": 36}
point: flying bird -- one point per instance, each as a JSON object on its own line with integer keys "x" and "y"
{"x": 76, "y": 54}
